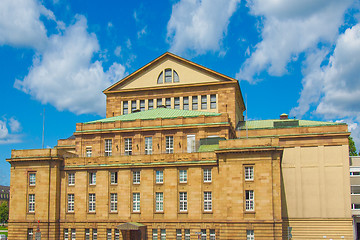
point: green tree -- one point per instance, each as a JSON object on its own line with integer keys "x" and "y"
{"x": 4, "y": 212}
{"x": 352, "y": 147}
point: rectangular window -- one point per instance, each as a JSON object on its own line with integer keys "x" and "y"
{"x": 207, "y": 175}
{"x": 203, "y": 102}
{"x": 30, "y": 234}
{"x": 88, "y": 151}
{"x": 162, "y": 234}
{"x": 183, "y": 201}
{"x": 113, "y": 202}
{"x": 249, "y": 173}
{"x": 203, "y": 234}
{"x": 94, "y": 234}
{"x": 128, "y": 146}
{"x": 66, "y": 234}
{"x": 150, "y": 104}
{"x": 169, "y": 147}
{"x": 133, "y": 106}
{"x": 186, "y": 103}
{"x": 108, "y": 234}
{"x": 73, "y": 234}
{"x": 249, "y": 200}
{"x": 92, "y": 178}
{"x": 32, "y": 179}
{"x": 148, "y": 145}
{"x": 194, "y": 103}
{"x": 250, "y": 235}
{"x": 87, "y": 234}
{"x": 113, "y": 177}
{"x": 71, "y": 202}
{"x": 136, "y": 202}
{"x": 355, "y": 190}
{"x": 159, "y": 102}
{"x": 136, "y": 177}
{"x": 177, "y": 103}
{"x": 117, "y": 234}
{"x": 182, "y": 176}
{"x": 108, "y": 147}
{"x": 159, "y": 176}
{"x": 213, "y": 101}
{"x": 154, "y": 234}
{"x": 168, "y": 102}
{"x": 168, "y": 75}
{"x": 178, "y": 234}
{"x": 212, "y": 234}
{"x": 92, "y": 202}
{"x": 159, "y": 202}
{"x": 355, "y": 206}
{"x": 31, "y": 202}
{"x": 142, "y": 105}
{"x": 207, "y": 201}
{"x": 125, "y": 107}
{"x": 187, "y": 234}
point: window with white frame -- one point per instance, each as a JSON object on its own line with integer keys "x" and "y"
{"x": 159, "y": 202}
{"x": 177, "y": 103}
{"x": 186, "y": 103}
{"x": 162, "y": 234}
{"x": 30, "y": 234}
{"x": 355, "y": 206}
{"x": 154, "y": 234}
{"x": 207, "y": 201}
{"x": 108, "y": 147}
{"x": 159, "y": 178}
{"x": 213, "y": 101}
{"x": 159, "y": 102}
{"x": 250, "y": 235}
{"x": 354, "y": 173}
{"x": 212, "y": 234}
{"x": 142, "y": 105}
{"x": 71, "y": 202}
{"x": 178, "y": 234}
{"x": 108, "y": 234}
{"x": 207, "y": 174}
{"x": 113, "y": 202}
{"x": 125, "y": 107}
{"x": 168, "y": 102}
{"x": 203, "y": 102}
{"x": 203, "y": 234}
{"x": 249, "y": 200}
{"x": 128, "y": 146}
{"x": 87, "y": 234}
{"x": 148, "y": 145}
{"x": 92, "y": 178}
{"x": 94, "y": 234}
{"x": 117, "y": 234}
{"x": 71, "y": 179}
{"x": 113, "y": 177}
{"x": 136, "y": 177}
{"x": 182, "y": 176}
{"x": 195, "y": 103}
{"x": 88, "y": 151}
{"x": 92, "y": 202}
{"x": 249, "y": 173}
{"x": 187, "y": 234}
{"x": 183, "y": 201}
{"x": 73, "y": 234}
{"x": 66, "y": 233}
{"x": 31, "y": 202}
{"x": 133, "y": 106}
{"x": 150, "y": 104}
{"x": 169, "y": 146}
{"x": 136, "y": 202}
{"x": 32, "y": 179}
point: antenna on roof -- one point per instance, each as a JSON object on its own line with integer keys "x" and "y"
{"x": 43, "y": 129}
{"x": 246, "y": 115}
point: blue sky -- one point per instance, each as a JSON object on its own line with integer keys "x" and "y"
{"x": 290, "y": 56}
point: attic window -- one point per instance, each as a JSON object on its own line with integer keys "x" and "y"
{"x": 168, "y": 76}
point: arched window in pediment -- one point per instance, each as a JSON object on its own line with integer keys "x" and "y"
{"x": 168, "y": 75}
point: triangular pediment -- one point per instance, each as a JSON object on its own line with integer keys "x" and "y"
{"x": 183, "y": 72}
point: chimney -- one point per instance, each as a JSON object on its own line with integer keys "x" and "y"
{"x": 283, "y": 116}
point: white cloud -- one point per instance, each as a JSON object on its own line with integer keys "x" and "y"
{"x": 9, "y": 136}
{"x": 290, "y": 27}
{"x": 117, "y": 51}
{"x": 14, "y": 125}
{"x": 199, "y": 26}
{"x": 142, "y": 32}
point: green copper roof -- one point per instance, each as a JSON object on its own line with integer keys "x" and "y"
{"x": 156, "y": 113}
{"x": 277, "y": 123}
{"x": 208, "y": 148}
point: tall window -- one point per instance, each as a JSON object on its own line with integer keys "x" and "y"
{"x": 186, "y": 103}
{"x": 249, "y": 173}
{"x": 117, "y": 234}
{"x": 183, "y": 201}
{"x": 94, "y": 234}
{"x": 71, "y": 179}
{"x": 194, "y": 102}
{"x": 168, "y": 77}
{"x": 136, "y": 177}
{"x": 177, "y": 103}
{"x": 92, "y": 202}
{"x": 133, "y": 106}
{"x": 212, "y": 234}
{"x": 150, "y": 104}
{"x": 203, "y": 234}
{"x": 113, "y": 202}
{"x": 203, "y": 102}
{"x": 136, "y": 202}
{"x": 160, "y": 78}
{"x": 142, "y": 105}
{"x": 178, "y": 234}
{"x": 159, "y": 102}
{"x": 73, "y": 234}
{"x": 187, "y": 234}
{"x": 30, "y": 234}
{"x": 213, "y": 101}
{"x": 249, "y": 200}
{"x": 207, "y": 201}
{"x": 108, "y": 234}
{"x": 159, "y": 176}
{"x": 125, "y": 107}
{"x": 66, "y": 233}
{"x": 250, "y": 235}
{"x": 31, "y": 202}
{"x": 169, "y": 144}
{"x": 159, "y": 202}
{"x": 113, "y": 177}
{"x": 88, "y": 151}
{"x": 71, "y": 201}
{"x": 128, "y": 146}
{"x": 168, "y": 102}
{"x": 87, "y": 234}
{"x": 182, "y": 176}
{"x": 207, "y": 175}
{"x": 108, "y": 147}
{"x": 32, "y": 179}
{"x": 92, "y": 178}
{"x": 148, "y": 145}
{"x": 162, "y": 234}
{"x": 154, "y": 234}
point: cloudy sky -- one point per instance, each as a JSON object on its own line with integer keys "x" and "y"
{"x": 290, "y": 56}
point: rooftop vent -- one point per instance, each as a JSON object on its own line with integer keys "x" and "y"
{"x": 284, "y": 116}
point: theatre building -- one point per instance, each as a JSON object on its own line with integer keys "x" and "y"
{"x": 174, "y": 159}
